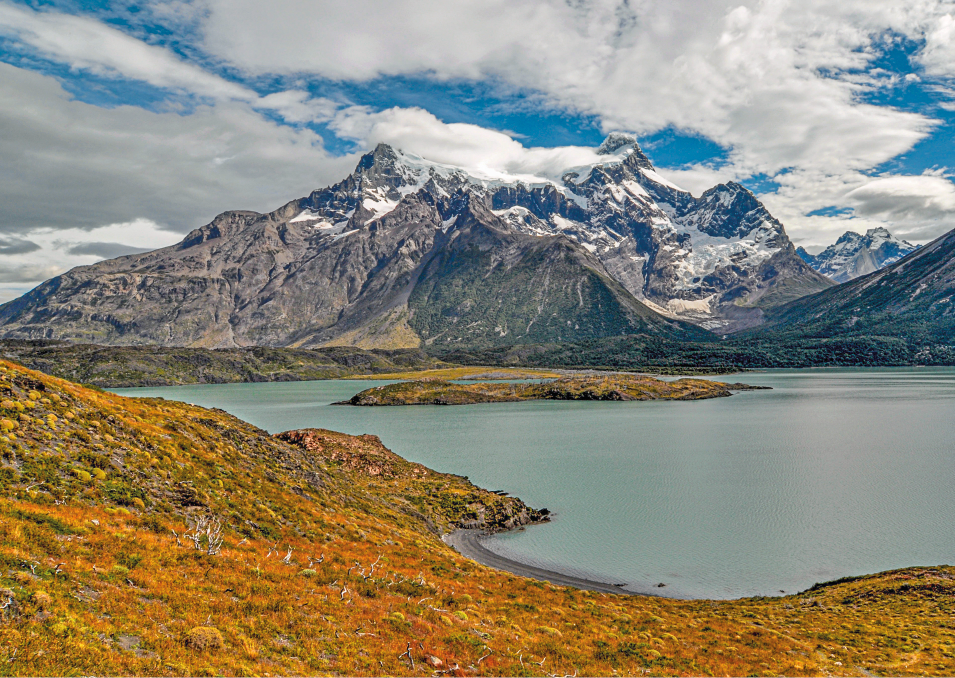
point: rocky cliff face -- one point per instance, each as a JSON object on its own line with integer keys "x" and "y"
{"x": 406, "y": 252}
{"x": 853, "y": 255}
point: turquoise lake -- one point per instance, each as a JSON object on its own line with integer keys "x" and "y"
{"x": 832, "y": 473}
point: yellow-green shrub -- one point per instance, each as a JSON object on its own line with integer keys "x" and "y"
{"x": 205, "y": 638}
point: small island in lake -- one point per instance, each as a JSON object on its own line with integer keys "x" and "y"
{"x": 619, "y": 387}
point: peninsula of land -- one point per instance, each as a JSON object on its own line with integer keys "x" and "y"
{"x": 619, "y": 387}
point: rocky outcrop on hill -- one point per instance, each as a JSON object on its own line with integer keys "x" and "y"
{"x": 447, "y": 500}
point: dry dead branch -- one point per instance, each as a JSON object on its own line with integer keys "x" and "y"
{"x": 407, "y": 653}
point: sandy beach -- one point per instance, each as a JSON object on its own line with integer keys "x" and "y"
{"x": 468, "y": 543}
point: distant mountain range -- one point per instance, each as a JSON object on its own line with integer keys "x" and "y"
{"x": 854, "y": 255}
{"x": 405, "y": 252}
{"x": 912, "y": 299}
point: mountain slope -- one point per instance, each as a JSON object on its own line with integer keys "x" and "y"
{"x": 912, "y": 298}
{"x": 342, "y": 266}
{"x": 853, "y": 255}
{"x": 330, "y": 563}
{"x": 715, "y": 260}
{"x": 491, "y": 286}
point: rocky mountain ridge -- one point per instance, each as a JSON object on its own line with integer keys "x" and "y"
{"x": 406, "y": 252}
{"x": 911, "y": 299}
{"x": 854, "y": 255}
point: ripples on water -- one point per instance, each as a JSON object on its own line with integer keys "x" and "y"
{"x": 832, "y": 473}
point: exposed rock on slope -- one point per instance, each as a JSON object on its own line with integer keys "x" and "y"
{"x": 405, "y": 252}
{"x": 366, "y": 459}
{"x": 853, "y": 255}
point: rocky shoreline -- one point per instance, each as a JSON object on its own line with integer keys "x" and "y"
{"x": 446, "y": 501}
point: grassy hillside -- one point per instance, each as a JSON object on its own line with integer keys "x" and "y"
{"x": 330, "y": 561}
{"x": 121, "y": 366}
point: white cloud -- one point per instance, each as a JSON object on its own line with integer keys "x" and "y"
{"x": 777, "y": 82}
{"x": 938, "y": 55}
{"x": 917, "y": 208}
{"x": 920, "y": 207}
{"x": 87, "y": 44}
{"x": 297, "y": 106}
{"x": 361, "y": 39}
{"x": 90, "y": 45}
{"x": 56, "y": 250}
{"x": 699, "y": 178}
{"x": 749, "y": 77}
{"x": 65, "y": 163}
{"x": 469, "y": 146}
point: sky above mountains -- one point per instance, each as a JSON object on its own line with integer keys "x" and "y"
{"x": 125, "y": 126}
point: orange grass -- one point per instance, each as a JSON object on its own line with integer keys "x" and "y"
{"x": 99, "y": 585}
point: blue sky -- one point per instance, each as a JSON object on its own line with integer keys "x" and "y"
{"x": 128, "y": 125}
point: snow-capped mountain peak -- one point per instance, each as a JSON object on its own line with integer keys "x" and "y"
{"x": 616, "y": 141}
{"x": 854, "y": 254}
{"x": 659, "y": 241}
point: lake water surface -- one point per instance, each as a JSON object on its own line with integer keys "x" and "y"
{"x": 832, "y": 473}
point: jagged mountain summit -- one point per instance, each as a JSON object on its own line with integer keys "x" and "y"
{"x": 911, "y": 299}
{"x": 853, "y": 255}
{"x": 407, "y": 252}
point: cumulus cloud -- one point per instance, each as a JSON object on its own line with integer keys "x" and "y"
{"x": 938, "y": 55}
{"x": 469, "y": 146}
{"x": 757, "y": 77}
{"x": 86, "y": 44}
{"x": 364, "y": 38}
{"x": 64, "y": 163}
